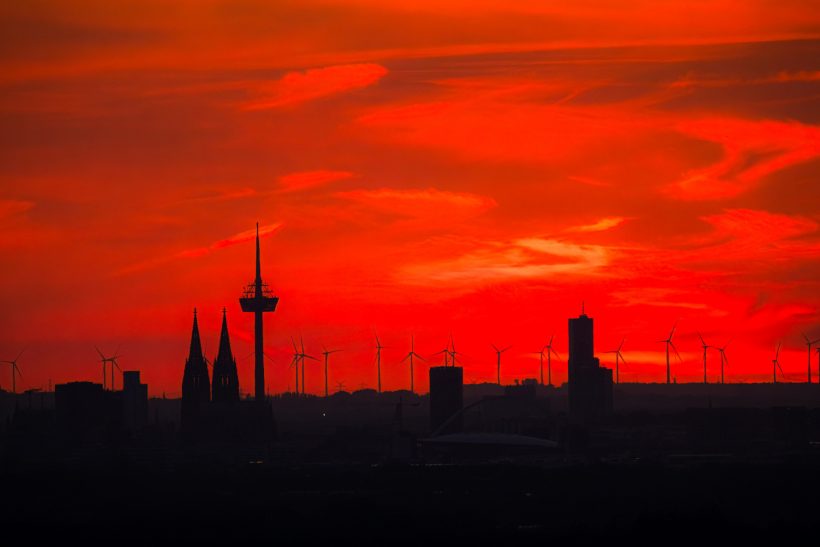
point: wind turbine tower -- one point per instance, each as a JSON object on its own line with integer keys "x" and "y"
{"x": 327, "y": 353}
{"x": 498, "y": 353}
{"x": 258, "y": 299}
{"x": 809, "y": 344}
{"x": 669, "y": 343}
{"x": 15, "y": 371}
{"x": 618, "y": 358}
{"x": 776, "y": 364}
{"x": 705, "y": 348}
{"x": 379, "y": 348}
{"x": 410, "y": 356}
{"x": 550, "y": 351}
{"x": 723, "y": 360}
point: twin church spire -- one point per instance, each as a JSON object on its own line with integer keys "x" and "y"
{"x": 197, "y": 388}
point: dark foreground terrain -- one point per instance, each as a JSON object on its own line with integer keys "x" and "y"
{"x": 581, "y": 503}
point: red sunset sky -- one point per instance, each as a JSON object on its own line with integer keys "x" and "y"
{"x": 472, "y": 167}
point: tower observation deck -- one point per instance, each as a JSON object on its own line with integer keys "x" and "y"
{"x": 258, "y": 299}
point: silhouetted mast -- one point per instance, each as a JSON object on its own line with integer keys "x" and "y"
{"x": 258, "y": 300}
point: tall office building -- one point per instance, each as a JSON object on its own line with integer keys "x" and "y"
{"x": 590, "y": 385}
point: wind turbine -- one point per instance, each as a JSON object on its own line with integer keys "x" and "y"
{"x": 379, "y": 348}
{"x": 809, "y": 344}
{"x": 104, "y": 360}
{"x": 295, "y": 362}
{"x": 618, "y": 358}
{"x": 540, "y": 355}
{"x": 669, "y": 344}
{"x": 453, "y": 351}
{"x": 326, "y": 353}
{"x": 776, "y": 365}
{"x": 15, "y": 370}
{"x": 723, "y": 359}
{"x": 706, "y": 347}
{"x": 304, "y": 356}
{"x": 498, "y": 353}
{"x": 550, "y": 351}
{"x": 410, "y": 356}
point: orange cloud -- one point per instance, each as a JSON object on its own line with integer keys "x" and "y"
{"x": 312, "y": 84}
{"x": 605, "y": 223}
{"x": 197, "y": 252}
{"x": 9, "y": 207}
{"x": 752, "y": 150}
{"x": 293, "y": 182}
{"x": 427, "y": 202}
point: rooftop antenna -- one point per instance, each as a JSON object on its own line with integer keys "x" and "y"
{"x": 669, "y": 344}
{"x": 583, "y": 311}
{"x": 326, "y": 353}
{"x": 340, "y": 386}
{"x": 550, "y": 351}
{"x": 304, "y": 356}
{"x": 776, "y": 364}
{"x": 410, "y": 356}
{"x": 618, "y": 358}
{"x": 809, "y": 344}
{"x": 15, "y": 370}
{"x": 498, "y": 353}
{"x": 705, "y": 347}
{"x": 379, "y": 348}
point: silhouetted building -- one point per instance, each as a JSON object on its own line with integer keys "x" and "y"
{"x": 134, "y": 401}
{"x": 446, "y": 399}
{"x": 79, "y": 404}
{"x": 225, "y": 380}
{"x": 590, "y": 385}
{"x": 196, "y": 389}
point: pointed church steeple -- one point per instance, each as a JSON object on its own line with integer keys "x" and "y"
{"x": 196, "y": 344}
{"x": 226, "y": 380}
{"x": 196, "y": 388}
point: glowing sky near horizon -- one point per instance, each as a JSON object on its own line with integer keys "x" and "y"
{"x": 422, "y": 167}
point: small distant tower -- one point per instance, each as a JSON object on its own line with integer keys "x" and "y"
{"x": 257, "y": 299}
{"x": 225, "y": 380}
{"x": 196, "y": 388}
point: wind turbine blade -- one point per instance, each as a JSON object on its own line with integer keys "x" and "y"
{"x": 622, "y": 343}
{"x": 19, "y": 354}
{"x": 551, "y": 337}
{"x": 701, "y": 340}
{"x": 295, "y": 349}
{"x": 777, "y": 353}
{"x": 676, "y": 351}
{"x": 505, "y": 349}
{"x": 495, "y": 348}
{"x": 555, "y": 353}
{"x": 622, "y": 357}
{"x": 98, "y": 351}
{"x": 417, "y": 356}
